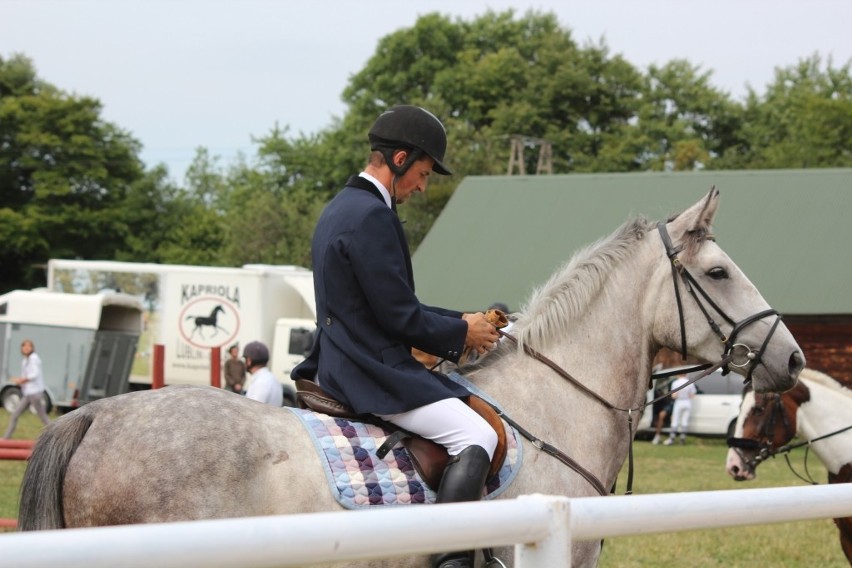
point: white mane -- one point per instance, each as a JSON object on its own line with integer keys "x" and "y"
{"x": 814, "y": 376}
{"x": 566, "y": 294}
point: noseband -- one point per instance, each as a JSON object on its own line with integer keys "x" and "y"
{"x": 740, "y": 354}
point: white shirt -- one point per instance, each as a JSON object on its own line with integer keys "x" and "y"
{"x": 684, "y": 396}
{"x": 31, "y": 369}
{"x": 382, "y": 189}
{"x": 264, "y": 388}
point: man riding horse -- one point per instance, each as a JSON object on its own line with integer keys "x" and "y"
{"x": 369, "y": 317}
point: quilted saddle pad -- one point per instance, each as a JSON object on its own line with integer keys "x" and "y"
{"x": 358, "y": 478}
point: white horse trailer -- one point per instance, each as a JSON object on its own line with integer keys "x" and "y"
{"x": 86, "y": 343}
{"x": 193, "y": 309}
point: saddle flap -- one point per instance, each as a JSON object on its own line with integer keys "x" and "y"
{"x": 309, "y": 395}
{"x": 490, "y": 415}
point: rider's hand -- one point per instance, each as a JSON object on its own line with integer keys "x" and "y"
{"x": 481, "y": 335}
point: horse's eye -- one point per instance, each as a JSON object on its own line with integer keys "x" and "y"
{"x": 717, "y": 273}
{"x": 757, "y": 410}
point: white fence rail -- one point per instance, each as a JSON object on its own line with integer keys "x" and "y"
{"x": 540, "y": 527}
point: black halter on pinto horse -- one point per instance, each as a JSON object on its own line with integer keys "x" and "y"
{"x": 586, "y": 341}
{"x": 819, "y": 411}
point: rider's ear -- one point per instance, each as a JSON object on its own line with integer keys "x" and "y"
{"x": 698, "y": 218}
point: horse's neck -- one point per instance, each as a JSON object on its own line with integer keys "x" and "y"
{"x": 827, "y": 411}
{"x": 608, "y": 349}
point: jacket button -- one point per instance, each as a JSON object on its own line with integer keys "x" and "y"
{"x": 328, "y": 321}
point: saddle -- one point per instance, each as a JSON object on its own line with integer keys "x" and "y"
{"x": 427, "y": 457}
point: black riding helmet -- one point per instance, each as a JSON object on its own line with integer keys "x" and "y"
{"x": 407, "y": 126}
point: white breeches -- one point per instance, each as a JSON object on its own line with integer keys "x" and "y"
{"x": 680, "y": 417}
{"x": 449, "y": 422}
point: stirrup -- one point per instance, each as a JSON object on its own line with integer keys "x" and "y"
{"x": 492, "y": 561}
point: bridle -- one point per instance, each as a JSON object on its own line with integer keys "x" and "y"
{"x": 762, "y": 445}
{"x": 740, "y": 354}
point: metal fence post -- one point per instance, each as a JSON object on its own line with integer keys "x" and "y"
{"x": 555, "y": 549}
{"x": 159, "y": 365}
{"x": 216, "y": 367}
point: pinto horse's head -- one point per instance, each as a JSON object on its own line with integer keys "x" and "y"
{"x": 766, "y": 422}
{"x": 710, "y": 309}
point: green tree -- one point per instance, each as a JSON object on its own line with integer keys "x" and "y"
{"x": 170, "y": 224}
{"x": 64, "y": 173}
{"x": 683, "y": 122}
{"x": 803, "y": 121}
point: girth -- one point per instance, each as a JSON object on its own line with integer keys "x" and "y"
{"x": 429, "y": 459}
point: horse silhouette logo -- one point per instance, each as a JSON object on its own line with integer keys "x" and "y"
{"x": 208, "y": 321}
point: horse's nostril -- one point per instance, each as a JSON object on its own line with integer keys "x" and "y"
{"x": 796, "y": 364}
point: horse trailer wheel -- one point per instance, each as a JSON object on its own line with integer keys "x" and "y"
{"x": 10, "y": 398}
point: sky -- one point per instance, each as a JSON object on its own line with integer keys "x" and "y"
{"x": 181, "y": 74}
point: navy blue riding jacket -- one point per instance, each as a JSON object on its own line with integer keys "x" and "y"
{"x": 368, "y": 315}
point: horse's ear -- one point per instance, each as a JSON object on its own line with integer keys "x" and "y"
{"x": 698, "y": 218}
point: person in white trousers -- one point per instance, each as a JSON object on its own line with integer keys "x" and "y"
{"x": 31, "y": 382}
{"x": 682, "y": 409}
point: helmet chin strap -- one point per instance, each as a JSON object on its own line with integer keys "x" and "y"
{"x": 399, "y": 170}
{"x": 393, "y": 192}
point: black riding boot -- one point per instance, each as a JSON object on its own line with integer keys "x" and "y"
{"x": 463, "y": 480}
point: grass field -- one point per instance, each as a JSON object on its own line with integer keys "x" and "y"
{"x": 12, "y": 471}
{"x": 698, "y": 466}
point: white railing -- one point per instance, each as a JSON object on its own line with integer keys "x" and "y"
{"x": 540, "y": 527}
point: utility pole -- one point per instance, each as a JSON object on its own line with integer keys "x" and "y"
{"x": 516, "y": 155}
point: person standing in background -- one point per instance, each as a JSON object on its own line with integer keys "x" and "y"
{"x": 661, "y": 409}
{"x": 264, "y": 387}
{"x": 235, "y": 370}
{"x": 681, "y": 409}
{"x": 31, "y": 382}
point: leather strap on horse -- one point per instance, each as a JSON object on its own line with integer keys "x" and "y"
{"x": 691, "y": 285}
{"x": 555, "y": 452}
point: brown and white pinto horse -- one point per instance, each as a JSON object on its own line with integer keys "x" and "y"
{"x": 819, "y": 410}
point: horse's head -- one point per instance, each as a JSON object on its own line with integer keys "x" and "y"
{"x": 709, "y": 308}
{"x": 767, "y": 421}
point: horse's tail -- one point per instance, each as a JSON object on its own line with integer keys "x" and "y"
{"x": 41, "y": 490}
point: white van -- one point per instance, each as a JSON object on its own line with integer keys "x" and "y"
{"x": 714, "y": 409}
